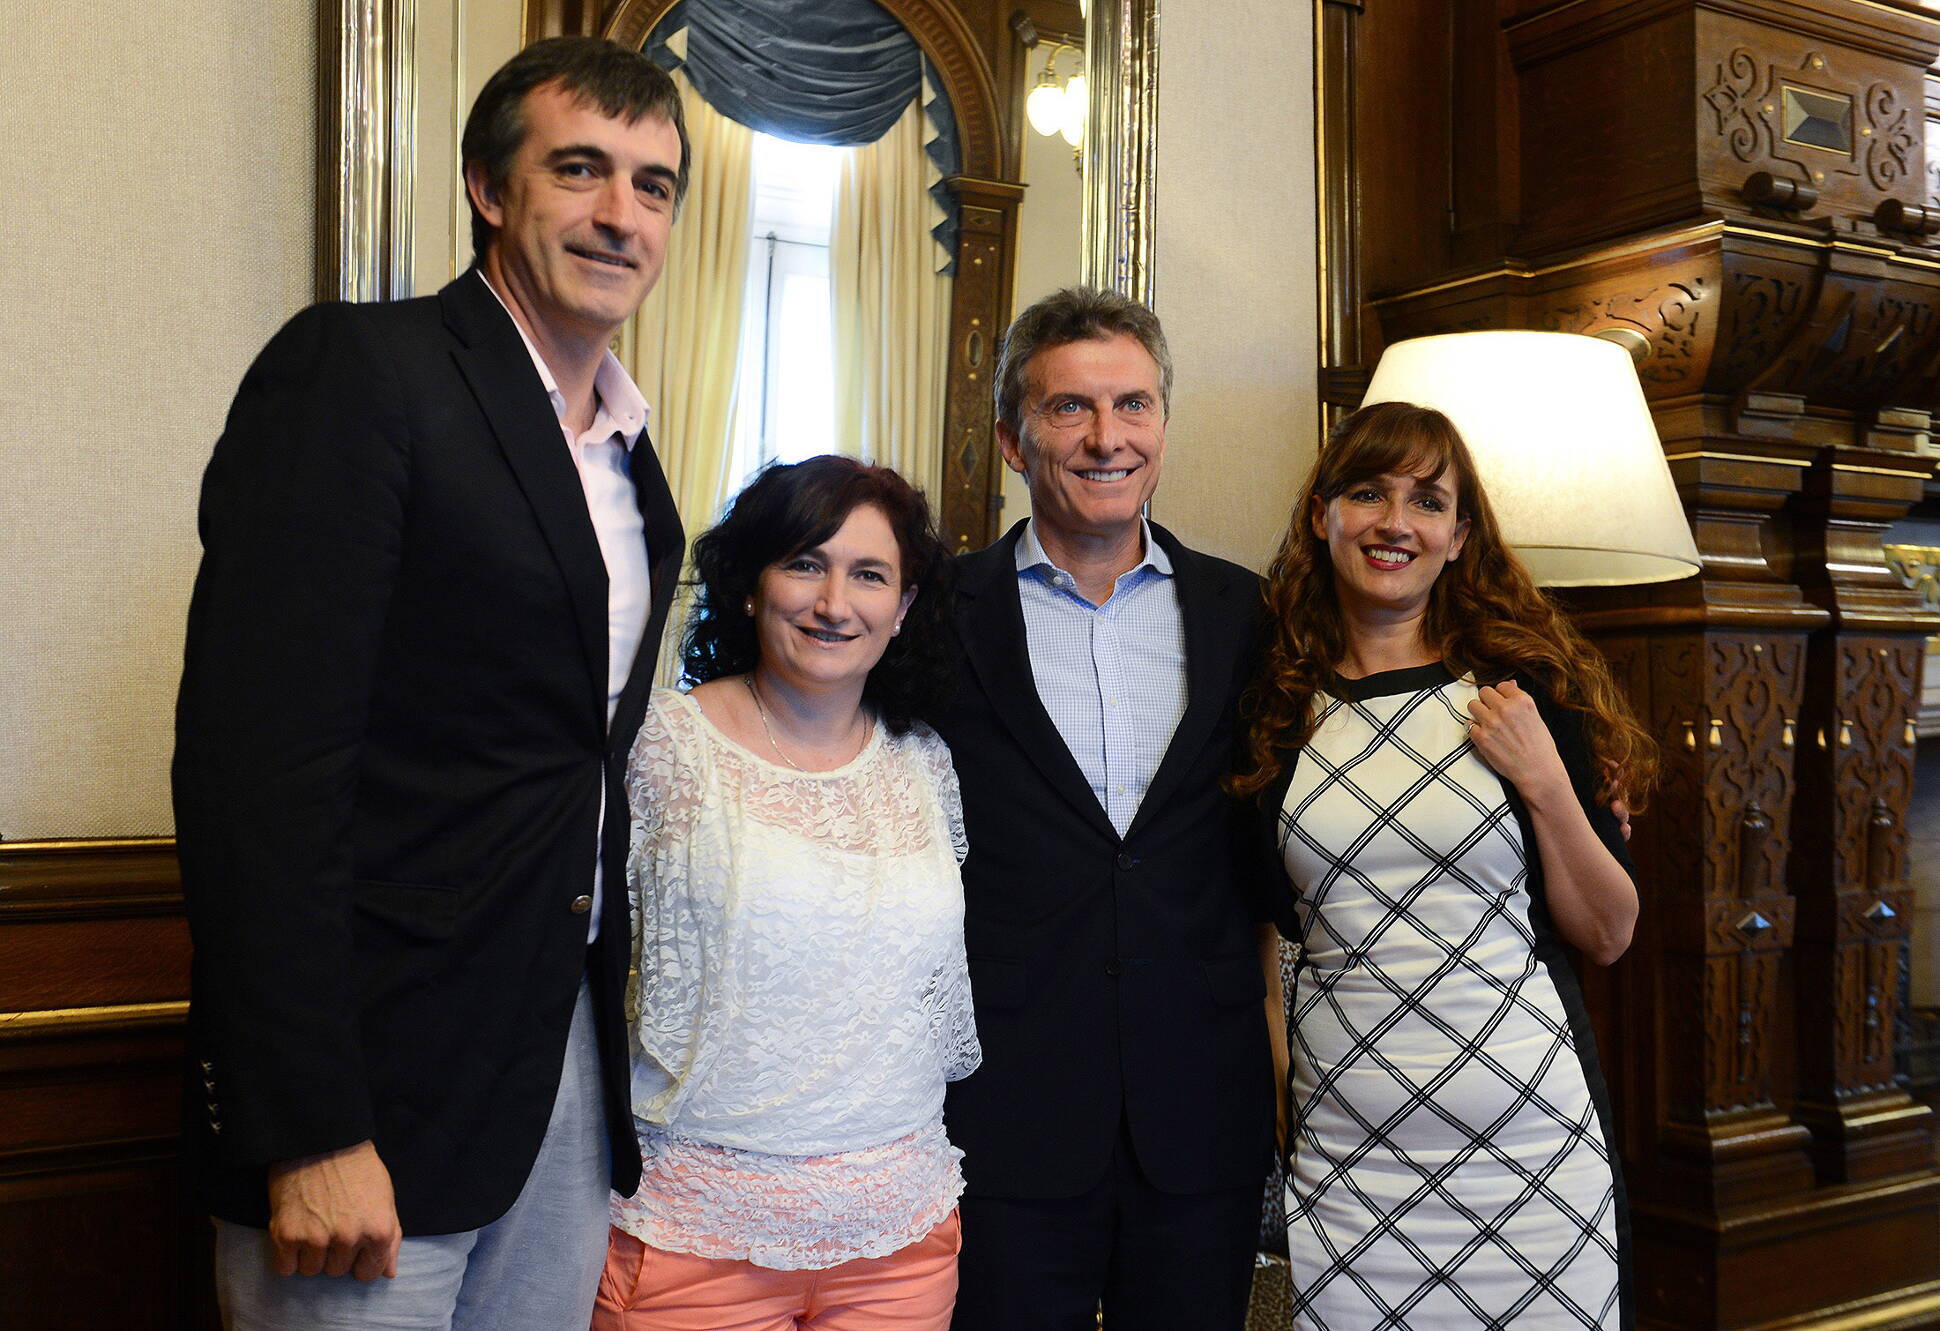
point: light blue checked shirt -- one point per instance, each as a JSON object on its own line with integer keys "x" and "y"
{"x": 1112, "y": 676}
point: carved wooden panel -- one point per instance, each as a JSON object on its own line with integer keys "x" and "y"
{"x": 1723, "y": 704}
{"x": 93, "y": 996}
{"x": 1833, "y": 108}
{"x": 979, "y": 302}
{"x": 1769, "y": 295}
{"x": 1794, "y": 362}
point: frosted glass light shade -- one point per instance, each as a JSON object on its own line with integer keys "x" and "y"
{"x": 1565, "y": 445}
{"x": 1076, "y": 101}
{"x": 1044, "y": 108}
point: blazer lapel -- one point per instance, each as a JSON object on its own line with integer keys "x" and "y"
{"x": 990, "y": 624}
{"x": 1216, "y": 633}
{"x": 493, "y": 358}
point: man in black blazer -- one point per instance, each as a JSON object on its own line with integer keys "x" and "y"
{"x": 438, "y": 556}
{"x": 1117, "y": 1138}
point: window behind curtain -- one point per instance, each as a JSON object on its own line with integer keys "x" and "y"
{"x": 787, "y": 374}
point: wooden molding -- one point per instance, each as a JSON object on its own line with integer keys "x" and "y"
{"x": 82, "y": 879}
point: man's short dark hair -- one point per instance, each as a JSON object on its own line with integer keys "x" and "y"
{"x": 1075, "y": 314}
{"x": 620, "y": 81}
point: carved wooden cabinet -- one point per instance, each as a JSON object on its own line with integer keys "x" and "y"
{"x": 1746, "y": 185}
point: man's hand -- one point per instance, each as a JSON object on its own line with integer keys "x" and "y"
{"x": 334, "y": 1214}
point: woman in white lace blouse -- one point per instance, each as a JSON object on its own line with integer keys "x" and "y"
{"x": 801, "y": 996}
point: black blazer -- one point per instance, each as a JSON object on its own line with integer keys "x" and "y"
{"x": 1116, "y": 979}
{"x": 391, "y": 743}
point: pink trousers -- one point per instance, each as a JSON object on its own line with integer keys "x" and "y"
{"x": 648, "y": 1289}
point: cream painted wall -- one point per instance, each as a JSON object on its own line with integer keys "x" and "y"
{"x": 162, "y": 230}
{"x": 1050, "y": 250}
{"x": 1235, "y": 269}
{"x": 450, "y": 73}
{"x": 159, "y": 203}
{"x": 159, "y": 169}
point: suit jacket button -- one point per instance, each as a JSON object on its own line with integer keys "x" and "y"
{"x": 1126, "y": 860}
{"x": 581, "y": 905}
{"x": 1114, "y": 967}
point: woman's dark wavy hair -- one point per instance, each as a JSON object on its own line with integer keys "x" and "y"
{"x": 1485, "y": 616}
{"x": 790, "y": 508}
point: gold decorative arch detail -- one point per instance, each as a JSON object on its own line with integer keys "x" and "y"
{"x": 988, "y": 193}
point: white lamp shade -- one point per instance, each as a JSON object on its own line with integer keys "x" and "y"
{"x": 1565, "y": 445}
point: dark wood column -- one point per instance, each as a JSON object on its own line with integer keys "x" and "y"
{"x": 1742, "y": 184}
{"x": 979, "y": 311}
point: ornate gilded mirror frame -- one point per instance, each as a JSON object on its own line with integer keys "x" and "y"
{"x": 1121, "y": 145}
{"x": 367, "y": 169}
{"x": 367, "y": 158}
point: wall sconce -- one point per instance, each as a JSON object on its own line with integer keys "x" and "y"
{"x": 1055, "y": 108}
{"x": 1566, "y": 447}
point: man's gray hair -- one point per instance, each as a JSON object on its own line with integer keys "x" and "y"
{"x": 1075, "y": 314}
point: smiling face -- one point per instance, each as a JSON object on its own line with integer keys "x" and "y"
{"x": 1092, "y": 437}
{"x": 582, "y": 218}
{"x": 823, "y": 617}
{"x": 1388, "y": 538}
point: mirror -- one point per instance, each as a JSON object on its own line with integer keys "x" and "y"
{"x": 1120, "y": 37}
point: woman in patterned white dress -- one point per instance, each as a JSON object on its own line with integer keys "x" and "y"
{"x": 801, "y": 995}
{"x": 1440, "y": 747}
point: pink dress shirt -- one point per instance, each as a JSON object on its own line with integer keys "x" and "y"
{"x": 600, "y": 456}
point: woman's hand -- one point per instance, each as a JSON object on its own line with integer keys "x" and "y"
{"x": 1591, "y": 898}
{"x": 1509, "y": 735}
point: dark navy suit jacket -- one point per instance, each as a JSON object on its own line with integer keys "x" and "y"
{"x": 1116, "y": 978}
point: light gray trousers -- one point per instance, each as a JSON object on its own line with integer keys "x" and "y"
{"x": 536, "y": 1268}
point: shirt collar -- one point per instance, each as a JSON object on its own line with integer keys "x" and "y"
{"x": 1030, "y": 552}
{"x": 616, "y": 395}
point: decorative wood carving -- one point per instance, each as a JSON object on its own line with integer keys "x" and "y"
{"x": 978, "y": 308}
{"x": 1893, "y": 140}
{"x": 1794, "y": 369}
{"x": 1748, "y": 99}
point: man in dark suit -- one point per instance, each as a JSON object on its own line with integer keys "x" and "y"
{"x": 438, "y": 556}
{"x": 1117, "y": 1137}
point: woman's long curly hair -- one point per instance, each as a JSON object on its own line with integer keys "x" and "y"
{"x": 790, "y": 508}
{"x": 1485, "y": 616}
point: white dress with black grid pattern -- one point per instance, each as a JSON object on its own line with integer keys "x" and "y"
{"x": 1449, "y": 1168}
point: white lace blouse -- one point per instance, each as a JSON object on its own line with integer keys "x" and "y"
{"x": 800, "y": 994}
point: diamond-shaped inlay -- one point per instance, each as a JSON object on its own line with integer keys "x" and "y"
{"x": 967, "y": 459}
{"x": 1879, "y": 913}
{"x": 1754, "y": 926}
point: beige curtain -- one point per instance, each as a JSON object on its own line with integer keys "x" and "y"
{"x": 891, "y": 307}
{"x": 683, "y": 345}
